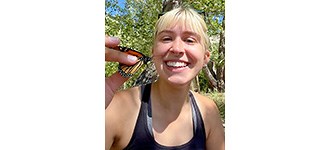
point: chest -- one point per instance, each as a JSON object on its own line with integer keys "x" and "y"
{"x": 172, "y": 131}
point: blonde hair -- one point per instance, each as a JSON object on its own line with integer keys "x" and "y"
{"x": 187, "y": 17}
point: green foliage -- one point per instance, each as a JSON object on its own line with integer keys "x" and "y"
{"x": 134, "y": 25}
{"x": 203, "y": 82}
{"x": 214, "y": 10}
{"x": 214, "y": 17}
{"x": 216, "y": 57}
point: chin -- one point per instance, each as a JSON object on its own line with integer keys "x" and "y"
{"x": 179, "y": 81}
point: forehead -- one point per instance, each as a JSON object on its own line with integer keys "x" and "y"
{"x": 178, "y": 25}
{"x": 179, "y": 30}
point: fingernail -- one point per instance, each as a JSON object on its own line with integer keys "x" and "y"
{"x": 131, "y": 58}
{"x": 114, "y": 39}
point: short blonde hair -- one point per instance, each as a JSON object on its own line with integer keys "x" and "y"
{"x": 189, "y": 18}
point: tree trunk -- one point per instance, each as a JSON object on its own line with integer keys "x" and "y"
{"x": 209, "y": 75}
{"x": 170, "y": 4}
{"x": 221, "y": 71}
{"x": 194, "y": 86}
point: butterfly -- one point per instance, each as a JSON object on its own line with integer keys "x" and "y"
{"x": 149, "y": 75}
{"x": 129, "y": 70}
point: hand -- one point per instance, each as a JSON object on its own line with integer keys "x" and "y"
{"x": 113, "y": 82}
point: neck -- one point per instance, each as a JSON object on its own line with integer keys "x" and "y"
{"x": 171, "y": 97}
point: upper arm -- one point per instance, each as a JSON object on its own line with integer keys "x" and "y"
{"x": 112, "y": 118}
{"x": 120, "y": 118}
{"x": 109, "y": 130}
{"x": 216, "y": 136}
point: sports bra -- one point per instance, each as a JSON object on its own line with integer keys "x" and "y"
{"x": 143, "y": 139}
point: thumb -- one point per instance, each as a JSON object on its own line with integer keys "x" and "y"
{"x": 112, "y": 84}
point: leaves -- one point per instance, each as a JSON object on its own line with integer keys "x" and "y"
{"x": 135, "y": 22}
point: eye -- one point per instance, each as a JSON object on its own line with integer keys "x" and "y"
{"x": 166, "y": 39}
{"x": 190, "y": 40}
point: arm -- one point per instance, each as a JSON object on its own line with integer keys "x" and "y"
{"x": 120, "y": 118}
{"x": 109, "y": 136}
{"x": 216, "y": 136}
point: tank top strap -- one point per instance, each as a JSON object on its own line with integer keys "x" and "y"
{"x": 143, "y": 139}
{"x": 198, "y": 123}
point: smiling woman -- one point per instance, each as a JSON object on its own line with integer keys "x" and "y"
{"x": 151, "y": 116}
{"x": 180, "y": 39}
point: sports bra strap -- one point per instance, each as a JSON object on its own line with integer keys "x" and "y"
{"x": 145, "y": 90}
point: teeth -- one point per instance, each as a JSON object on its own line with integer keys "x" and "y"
{"x": 176, "y": 64}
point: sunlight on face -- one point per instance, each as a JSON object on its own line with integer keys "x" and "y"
{"x": 180, "y": 48}
{"x": 179, "y": 54}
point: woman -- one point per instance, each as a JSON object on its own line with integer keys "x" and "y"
{"x": 166, "y": 114}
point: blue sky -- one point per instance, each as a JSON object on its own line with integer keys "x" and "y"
{"x": 121, "y": 3}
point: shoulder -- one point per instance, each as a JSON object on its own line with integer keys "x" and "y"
{"x": 206, "y": 106}
{"x": 121, "y": 114}
{"x": 212, "y": 122}
{"x": 123, "y": 103}
{"x": 128, "y": 96}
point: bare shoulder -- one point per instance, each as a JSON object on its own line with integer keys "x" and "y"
{"x": 206, "y": 105}
{"x": 213, "y": 125}
{"x": 123, "y": 104}
{"x": 121, "y": 114}
{"x": 126, "y": 97}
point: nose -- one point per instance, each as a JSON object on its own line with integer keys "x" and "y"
{"x": 177, "y": 46}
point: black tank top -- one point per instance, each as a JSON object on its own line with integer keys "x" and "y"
{"x": 142, "y": 138}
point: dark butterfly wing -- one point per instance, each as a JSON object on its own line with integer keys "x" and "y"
{"x": 149, "y": 75}
{"x": 129, "y": 70}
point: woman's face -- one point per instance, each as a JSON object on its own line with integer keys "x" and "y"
{"x": 179, "y": 55}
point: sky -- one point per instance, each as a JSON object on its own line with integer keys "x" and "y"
{"x": 121, "y": 3}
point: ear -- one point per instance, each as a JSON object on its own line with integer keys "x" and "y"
{"x": 206, "y": 57}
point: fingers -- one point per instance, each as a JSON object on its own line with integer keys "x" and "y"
{"x": 117, "y": 56}
{"x": 111, "y": 41}
{"x": 115, "y": 81}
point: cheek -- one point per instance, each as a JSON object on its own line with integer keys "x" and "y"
{"x": 159, "y": 50}
{"x": 197, "y": 55}
{"x": 157, "y": 56}
{"x": 158, "y": 53}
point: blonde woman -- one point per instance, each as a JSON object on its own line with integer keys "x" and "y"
{"x": 166, "y": 114}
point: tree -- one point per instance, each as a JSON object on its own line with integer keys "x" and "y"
{"x": 134, "y": 24}
{"x": 215, "y": 19}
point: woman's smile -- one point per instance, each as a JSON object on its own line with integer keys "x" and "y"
{"x": 176, "y": 66}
